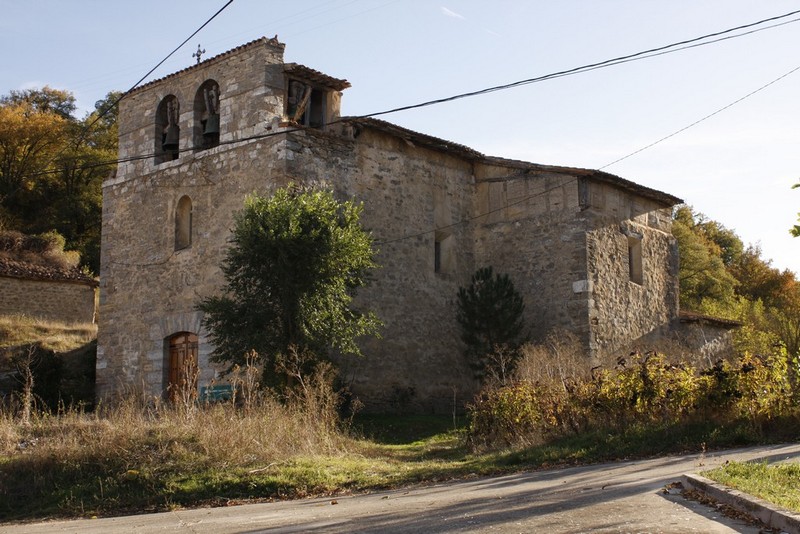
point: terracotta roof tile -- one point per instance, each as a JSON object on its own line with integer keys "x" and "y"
{"x": 315, "y": 76}
{"x": 32, "y": 271}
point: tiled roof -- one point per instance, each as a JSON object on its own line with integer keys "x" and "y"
{"x": 31, "y": 271}
{"x": 692, "y": 317}
{"x": 415, "y": 138}
{"x": 315, "y": 76}
{"x": 469, "y": 153}
{"x": 261, "y": 41}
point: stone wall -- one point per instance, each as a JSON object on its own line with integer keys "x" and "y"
{"x": 409, "y": 192}
{"x": 535, "y": 233}
{"x": 621, "y": 308}
{"x": 48, "y": 299}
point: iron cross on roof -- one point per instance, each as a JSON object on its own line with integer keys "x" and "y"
{"x": 199, "y": 53}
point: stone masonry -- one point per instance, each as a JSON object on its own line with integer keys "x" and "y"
{"x": 46, "y": 292}
{"x": 590, "y": 252}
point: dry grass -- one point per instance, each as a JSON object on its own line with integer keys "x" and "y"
{"x": 559, "y": 358}
{"x": 16, "y": 330}
{"x": 144, "y": 454}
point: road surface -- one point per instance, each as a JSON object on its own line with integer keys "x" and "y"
{"x": 614, "y": 497}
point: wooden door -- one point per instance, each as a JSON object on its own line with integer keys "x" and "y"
{"x": 182, "y": 376}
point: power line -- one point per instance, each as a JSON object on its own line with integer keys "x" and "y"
{"x": 576, "y": 70}
{"x": 674, "y": 47}
{"x": 151, "y": 71}
{"x": 82, "y": 135}
{"x": 695, "y": 123}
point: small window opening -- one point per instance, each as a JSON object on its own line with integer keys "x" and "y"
{"x": 635, "y": 259}
{"x": 305, "y": 105}
{"x": 183, "y": 224}
{"x": 168, "y": 130}
{"x": 443, "y": 253}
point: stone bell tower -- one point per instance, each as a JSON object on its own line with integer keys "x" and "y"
{"x": 192, "y": 145}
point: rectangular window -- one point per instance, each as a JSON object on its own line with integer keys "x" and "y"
{"x": 635, "y": 259}
{"x": 443, "y": 261}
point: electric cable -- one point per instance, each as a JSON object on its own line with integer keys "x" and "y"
{"x": 674, "y": 47}
{"x": 695, "y": 123}
{"x": 82, "y": 135}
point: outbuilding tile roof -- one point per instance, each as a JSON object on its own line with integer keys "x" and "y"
{"x": 31, "y": 271}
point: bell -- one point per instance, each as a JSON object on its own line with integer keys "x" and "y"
{"x": 171, "y": 138}
{"x": 212, "y": 125}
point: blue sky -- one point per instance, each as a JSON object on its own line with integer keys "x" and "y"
{"x": 737, "y": 166}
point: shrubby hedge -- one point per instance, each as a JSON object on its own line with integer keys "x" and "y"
{"x": 643, "y": 389}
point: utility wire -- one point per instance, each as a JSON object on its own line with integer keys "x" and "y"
{"x": 695, "y": 123}
{"x": 582, "y": 68}
{"x": 85, "y": 130}
{"x": 674, "y": 47}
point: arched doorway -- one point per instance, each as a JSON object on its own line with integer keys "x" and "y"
{"x": 182, "y": 367}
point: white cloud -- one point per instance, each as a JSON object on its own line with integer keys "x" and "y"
{"x": 449, "y": 13}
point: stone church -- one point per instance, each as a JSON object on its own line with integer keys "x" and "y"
{"x": 590, "y": 252}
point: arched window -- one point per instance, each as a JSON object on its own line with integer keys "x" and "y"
{"x": 168, "y": 130}
{"x": 181, "y": 369}
{"x": 206, "y": 116}
{"x": 183, "y": 223}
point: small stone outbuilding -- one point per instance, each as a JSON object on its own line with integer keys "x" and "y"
{"x": 589, "y": 251}
{"x": 46, "y": 292}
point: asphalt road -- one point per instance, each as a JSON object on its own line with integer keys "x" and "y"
{"x": 615, "y": 497}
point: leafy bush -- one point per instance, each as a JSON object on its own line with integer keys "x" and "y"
{"x": 42, "y": 249}
{"x": 296, "y": 260}
{"x": 643, "y": 389}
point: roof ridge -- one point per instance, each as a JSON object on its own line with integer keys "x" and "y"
{"x": 261, "y": 40}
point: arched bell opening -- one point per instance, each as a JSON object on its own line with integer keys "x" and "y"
{"x": 206, "y": 128}
{"x": 168, "y": 130}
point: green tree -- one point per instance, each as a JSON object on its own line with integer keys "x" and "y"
{"x": 44, "y": 100}
{"x": 52, "y": 166}
{"x": 74, "y": 194}
{"x": 490, "y": 313}
{"x": 29, "y": 142}
{"x": 296, "y": 259}
{"x": 703, "y": 274}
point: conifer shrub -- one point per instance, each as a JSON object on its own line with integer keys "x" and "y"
{"x": 490, "y": 314}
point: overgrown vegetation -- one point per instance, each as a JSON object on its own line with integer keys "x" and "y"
{"x": 19, "y": 330}
{"x": 147, "y": 455}
{"x": 144, "y": 455}
{"x": 552, "y": 397}
{"x": 52, "y": 165}
{"x": 776, "y": 483}
{"x": 45, "y": 249}
{"x": 720, "y": 276}
{"x": 46, "y": 364}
